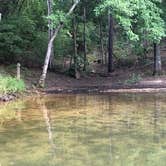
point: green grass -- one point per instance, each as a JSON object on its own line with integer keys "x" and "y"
{"x": 10, "y": 84}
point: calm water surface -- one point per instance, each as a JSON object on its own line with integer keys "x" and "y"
{"x": 84, "y": 130}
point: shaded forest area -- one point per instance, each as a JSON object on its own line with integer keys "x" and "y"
{"x": 80, "y": 38}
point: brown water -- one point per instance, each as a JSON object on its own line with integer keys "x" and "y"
{"x": 84, "y": 130}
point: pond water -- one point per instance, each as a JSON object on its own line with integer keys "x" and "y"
{"x": 84, "y": 130}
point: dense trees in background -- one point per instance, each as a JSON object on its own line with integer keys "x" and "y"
{"x": 140, "y": 20}
{"x": 107, "y": 31}
{"x": 23, "y": 32}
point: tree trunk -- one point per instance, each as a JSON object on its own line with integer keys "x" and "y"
{"x": 85, "y": 58}
{"x": 145, "y": 45}
{"x": 50, "y": 44}
{"x": 101, "y": 42}
{"x": 76, "y": 73}
{"x": 50, "y": 32}
{"x": 0, "y": 17}
{"x": 157, "y": 60}
{"x": 110, "y": 45}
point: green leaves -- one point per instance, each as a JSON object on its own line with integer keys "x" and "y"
{"x": 56, "y": 17}
{"x": 9, "y": 84}
{"x": 135, "y": 17}
{"x": 16, "y": 37}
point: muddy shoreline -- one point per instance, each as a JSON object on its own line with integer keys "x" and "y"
{"x": 87, "y": 90}
{"x": 108, "y": 89}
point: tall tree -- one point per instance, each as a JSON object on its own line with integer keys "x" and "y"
{"x": 50, "y": 43}
{"x": 110, "y": 44}
{"x": 101, "y": 41}
{"x": 76, "y": 73}
{"x": 136, "y": 17}
{"x": 157, "y": 60}
{"x": 85, "y": 51}
{"x": 50, "y": 31}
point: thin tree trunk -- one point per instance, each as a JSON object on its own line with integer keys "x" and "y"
{"x": 101, "y": 42}
{"x": 157, "y": 60}
{"x": 76, "y": 73}
{"x": 85, "y": 51}
{"x": 145, "y": 45}
{"x": 50, "y": 32}
{"x": 106, "y": 53}
{"x": 0, "y": 17}
{"x": 110, "y": 45}
{"x": 71, "y": 61}
{"x": 50, "y": 44}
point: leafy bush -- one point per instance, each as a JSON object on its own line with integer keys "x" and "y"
{"x": 123, "y": 57}
{"x": 9, "y": 84}
{"x": 20, "y": 41}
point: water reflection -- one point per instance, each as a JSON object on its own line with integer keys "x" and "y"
{"x": 84, "y": 130}
{"x": 47, "y": 118}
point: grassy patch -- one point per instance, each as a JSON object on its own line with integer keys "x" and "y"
{"x": 9, "y": 84}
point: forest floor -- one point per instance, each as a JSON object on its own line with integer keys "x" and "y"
{"x": 133, "y": 79}
{"x": 137, "y": 78}
{"x": 121, "y": 80}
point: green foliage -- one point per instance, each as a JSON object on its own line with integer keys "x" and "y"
{"x": 24, "y": 30}
{"x": 9, "y": 84}
{"x": 91, "y": 35}
{"x": 56, "y": 18}
{"x": 136, "y": 17}
{"x": 64, "y": 44}
{"x": 20, "y": 41}
{"x": 13, "y": 39}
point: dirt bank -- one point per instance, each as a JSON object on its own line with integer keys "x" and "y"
{"x": 121, "y": 81}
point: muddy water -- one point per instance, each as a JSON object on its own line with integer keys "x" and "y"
{"x": 84, "y": 130}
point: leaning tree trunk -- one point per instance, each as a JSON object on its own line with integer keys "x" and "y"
{"x": 50, "y": 44}
{"x": 110, "y": 45}
{"x": 157, "y": 60}
{"x": 50, "y": 32}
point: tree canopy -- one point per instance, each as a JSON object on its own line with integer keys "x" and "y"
{"x": 24, "y": 30}
{"x": 136, "y": 17}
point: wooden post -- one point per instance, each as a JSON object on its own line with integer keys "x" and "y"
{"x": 18, "y": 71}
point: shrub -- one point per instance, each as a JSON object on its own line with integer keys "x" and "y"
{"x": 9, "y": 84}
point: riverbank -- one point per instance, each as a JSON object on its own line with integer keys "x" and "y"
{"x": 105, "y": 90}
{"x": 124, "y": 80}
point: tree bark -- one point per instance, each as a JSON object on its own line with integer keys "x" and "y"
{"x": 75, "y": 48}
{"x": 50, "y": 32}
{"x": 85, "y": 51}
{"x": 157, "y": 60}
{"x": 101, "y": 42}
{"x": 110, "y": 45}
{"x": 50, "y": 44}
